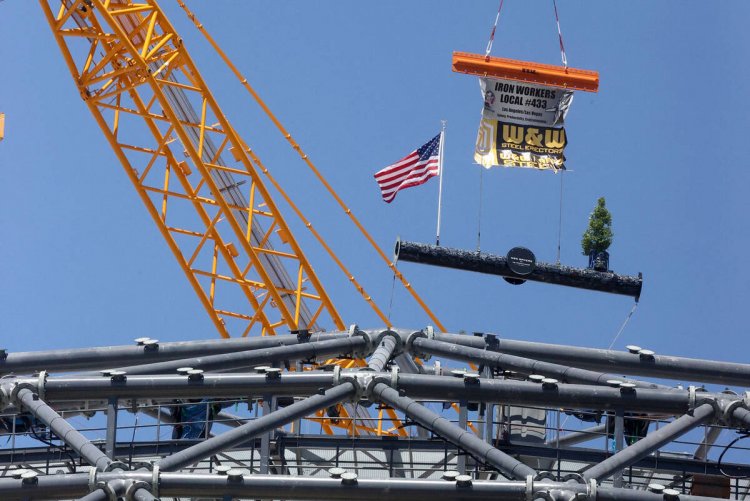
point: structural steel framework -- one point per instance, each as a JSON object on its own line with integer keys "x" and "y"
{"x": 477, "y": 457}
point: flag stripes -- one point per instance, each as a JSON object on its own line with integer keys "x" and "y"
{"x": 413, "y": 170}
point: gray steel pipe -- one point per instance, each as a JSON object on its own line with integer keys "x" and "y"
{"x": 424, "y": 346}
{"x": 575, "y": 396}
{"x": 280, "y": 487}
{"x": 63, "y": 429}
{"x": 252, "y": 358}
{"x": 576, "y": 437}
{"x": 653, "y": 441}
{"x": 661, "y": 366}
{"x": 498, "y": 265}
{"x": 256, "y": 427}
{"x": 615, "y": 494}
{"x": 118, "y": 487}
{"x": 107, "y": 357}
{"x": 143, "y": 495}
{"x": 309, "y": 488}
{"x": 464, "y": 439}
{"x": 383, "y": 353}
{"x": 462, "y": 339}
{"x": 742, "y": 415}
{"x": 306, "y": 488}
{"x": 183, "y": 386}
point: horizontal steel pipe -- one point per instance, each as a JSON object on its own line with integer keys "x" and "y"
{"x": 422, "y": 346}
{"x": 300, "y": 487}
{"x": 652, "y": 442}
{"x": 615, "y": 494}
{"x": 464, "y": 439}
{"x": 182, "y": 386}
{"x": 252, "y": 358}
{"x": 256, "y": 427}
{"x": 107, "y": 357}
{"x": 497, "y": 265}
{"x": 573, "y": 396}
{"x": 68, "y": 486}
{"x": 661, "y": 366}
{"x": 278, "y": 487}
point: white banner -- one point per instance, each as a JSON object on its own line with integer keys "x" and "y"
{"x": 523, "y": 103}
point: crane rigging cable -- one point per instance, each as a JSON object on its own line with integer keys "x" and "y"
{"x": 559, "y": 34}
{"x": 293, "y": 143}
{"x": 491, "y": 40}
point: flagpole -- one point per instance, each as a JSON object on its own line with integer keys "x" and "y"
{"x": 440, "y": 180}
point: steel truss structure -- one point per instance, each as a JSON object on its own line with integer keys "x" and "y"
{"x": 266, "y": 456}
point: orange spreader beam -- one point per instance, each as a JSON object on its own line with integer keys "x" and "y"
{"x": 524, "y": 71}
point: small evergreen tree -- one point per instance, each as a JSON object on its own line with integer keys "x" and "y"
{"x": 598, "y": 236}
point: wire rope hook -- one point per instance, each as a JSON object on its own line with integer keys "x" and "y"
{"x": 563, "y": 56}
{"x": 624, "y": 324}
{"x": 492, "y": 33}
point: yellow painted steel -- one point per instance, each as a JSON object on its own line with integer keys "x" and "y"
{"x": 227, "y": 234}
{"x": 391, "y": 265}
{"x": 2, "y": 126}
{"x": 144, "y": 92}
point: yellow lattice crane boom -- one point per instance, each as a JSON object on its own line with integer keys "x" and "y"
{"x": 217, "y": 216}
{"x": 173, "y": 140}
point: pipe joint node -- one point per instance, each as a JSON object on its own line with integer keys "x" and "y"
{"x": 369, "y": 346}
{"x": 155, "y": 480}
{"x": 93, "y": 472}
{"x": 401, "y": 339}
{"x": 529, "y": 487}
{"x": 41, "y": 384}
{"x": 134, "y": 487}
{"x": 591, "y": 489}
{"x": 108, "y": 490}
{"x": 377, "y": 379}
{"x": 545, "y": 475}
{"x": 698, "y": 396}
{"x": 573, "y": 477}
{"x": 116, "y": 465}
{"x": 360, "y": 381}
{"x": 725, "y": 409}
{"x": 429, "y": 332}
{"x": 22, "y": 386}
{"x": 416, "y": 335}
{"x": 691, "y": 397}
{"x": 6, "y": 391}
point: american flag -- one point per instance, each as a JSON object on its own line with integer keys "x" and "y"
{"x": 412, "y": 170}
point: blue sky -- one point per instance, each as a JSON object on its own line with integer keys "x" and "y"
{"x": 360, "y": 85}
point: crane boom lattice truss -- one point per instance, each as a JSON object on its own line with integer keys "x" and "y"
{"x": 171, "y": 137}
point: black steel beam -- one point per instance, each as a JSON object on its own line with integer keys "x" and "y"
{"x": 481, "y": 262}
